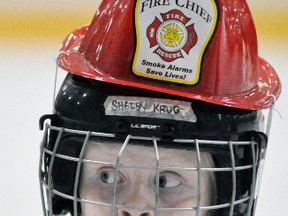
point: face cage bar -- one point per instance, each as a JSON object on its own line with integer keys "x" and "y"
{"x": 47, "y": 202}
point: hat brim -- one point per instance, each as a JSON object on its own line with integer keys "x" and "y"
{"x": 260, "y": 97}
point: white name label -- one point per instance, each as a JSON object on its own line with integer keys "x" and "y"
{"x": 171, "y": 38}
{"x": 149, "y": 108}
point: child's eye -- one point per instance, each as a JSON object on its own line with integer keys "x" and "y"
{"x": 108, "y": 177}
{"x": 166, "y": 181}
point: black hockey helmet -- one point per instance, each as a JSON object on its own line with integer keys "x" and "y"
{"x": 87, "y": 109}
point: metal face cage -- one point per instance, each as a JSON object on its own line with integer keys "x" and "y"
{"x": 236, "y": 173}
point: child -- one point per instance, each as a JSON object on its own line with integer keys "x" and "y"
{"x": 160, "y": 113}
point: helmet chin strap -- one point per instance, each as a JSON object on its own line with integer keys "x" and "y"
{"x": 270, "y": 115}
{"x": 56, "y": 60}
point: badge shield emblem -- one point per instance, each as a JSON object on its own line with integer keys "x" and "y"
{"x": 172, "y": 37}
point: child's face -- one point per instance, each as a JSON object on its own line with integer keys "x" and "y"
{"x": 136, "y": 187}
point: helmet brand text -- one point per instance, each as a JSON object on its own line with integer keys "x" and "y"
{"x": 145, "y": 126}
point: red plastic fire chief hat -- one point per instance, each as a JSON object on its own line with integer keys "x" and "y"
{"x": 200, "y": 49}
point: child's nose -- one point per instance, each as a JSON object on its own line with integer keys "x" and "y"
{"x": 141, "y": 199}
{"x": 126, "y": 212}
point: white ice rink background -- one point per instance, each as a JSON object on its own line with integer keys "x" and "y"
{"x": 26, "y": 88}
